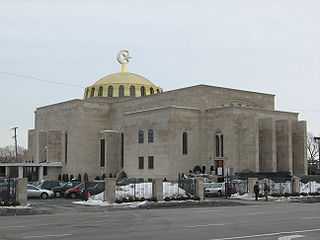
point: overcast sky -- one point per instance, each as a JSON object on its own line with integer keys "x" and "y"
{"x": 269, "y": 46}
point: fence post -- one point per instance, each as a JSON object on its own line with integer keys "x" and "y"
{"x": 295, "y": 184}
{"x": 199, "y": 188}
{"x": 251, "y": 183}
{"x": 110, "y": 190}
{"x": 21, "y": 191}
{"x": 158, "y": 189}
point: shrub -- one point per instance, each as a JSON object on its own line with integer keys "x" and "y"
{"x": 97, "y": 178}
{"x": 166, "y": 199}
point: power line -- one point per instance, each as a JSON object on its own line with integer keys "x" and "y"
{"x": 40, "y": 79}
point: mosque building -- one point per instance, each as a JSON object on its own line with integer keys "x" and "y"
{"x": 125, "y": 124}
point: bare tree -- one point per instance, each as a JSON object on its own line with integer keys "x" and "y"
{"x": 8, "y": 154}
{"x": 312, "y": 148}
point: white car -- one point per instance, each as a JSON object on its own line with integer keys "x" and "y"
{"x": 35, "y": 192}
{"x": 214, "y": 189}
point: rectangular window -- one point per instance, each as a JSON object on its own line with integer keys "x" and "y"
{"x": 66, "y": 148}
{"x": 150, "y": 162}
{"x": 102, "y": 152}
{"x": 45, "y": 171}
{"x": 140, "y": 163}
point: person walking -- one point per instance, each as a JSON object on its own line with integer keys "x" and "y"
{"x": 256, "y": 190}
{"x": 266, "y": 191}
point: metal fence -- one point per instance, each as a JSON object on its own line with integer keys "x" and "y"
{"x": 172, "y": 190}
{"x": 134, "y": 191}
{"x": 277, "y": 186}
{"x": 181, "y": 189}
{"x": 7, "y": 191}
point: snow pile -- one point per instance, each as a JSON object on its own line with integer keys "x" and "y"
{"x": 172, "y": 190}
{"x": 245, "y": 196}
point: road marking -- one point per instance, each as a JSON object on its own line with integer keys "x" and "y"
{"x": 267, "y": 234}
{"x": 206, "y": 225}
{"x": 44, "y": 236}
{"x": 290, "y": 237}
{"x": 13, "y": 227}
{"x": 310, "y": 218}
{"x": 208, "y": 211}
{"x": 254, "y": 213}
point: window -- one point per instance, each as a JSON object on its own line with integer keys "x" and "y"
{"x": 100, "y": 92}
{"x": 150, "y": 162}
{"x": 121, "y": 91}
{"x": 141, "y": 136}
{"x": 151, "y": 91}
{"x": 92, "y": 92}
{"x": 140, "y": 163}
{"x": 102, "y": 152}
{"x": 66, "y": 148}
{"x": 150, "y": 135}
{"x": 132, "y": 91}
{"x": 142, "y": 91}
{"x": 87, "y": 93}
{"x": 110, "y": 91}
{"x": 184, "y": 143}
{"x": 221, "y": 145}
{"x": 217, "y": 146}
{"x": 45, "y": 171}
{"x": 122, "y": 150}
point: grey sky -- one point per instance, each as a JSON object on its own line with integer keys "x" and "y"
{"x": 267, "y": 46}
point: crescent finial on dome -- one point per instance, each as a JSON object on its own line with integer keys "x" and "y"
{"x": 123, "y": 58}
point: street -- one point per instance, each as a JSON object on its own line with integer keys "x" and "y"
{"x": 264, "y": 221}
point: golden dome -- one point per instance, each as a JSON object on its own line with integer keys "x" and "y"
{"x": 122, "y": 84}
{"x": 125, "y": 78}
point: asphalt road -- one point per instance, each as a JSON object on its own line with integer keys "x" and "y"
{"x": 266, "y": 221}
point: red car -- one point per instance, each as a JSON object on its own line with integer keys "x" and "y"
{"x": 78, "y": 191}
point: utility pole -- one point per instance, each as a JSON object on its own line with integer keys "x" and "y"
{"x": 15, "y": 141}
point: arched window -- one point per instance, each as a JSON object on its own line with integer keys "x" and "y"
{"x": 221, "y": 145}
{"x": 184, "y": 143}
{"x": 132, "y": 91}
{"x": 121, "y": 91}
{"x": 143, "y": 91}
{"x": 92, "y": 92}
{"x": 87, "y": 93}
{"x": 150, "y": 135}
{"x": 151, "y": 91}
{"x": 141, "y": 136}
{"x": 158, "y": 91}
{"x": 217, "y": 146}
{"x": 100, "y": 92}
{"x": 110, "y": 91}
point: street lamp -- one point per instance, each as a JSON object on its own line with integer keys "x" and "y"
{"x": 317, "y": 140}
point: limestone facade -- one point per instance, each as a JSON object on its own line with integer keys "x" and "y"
{"x": 229, "y": 128}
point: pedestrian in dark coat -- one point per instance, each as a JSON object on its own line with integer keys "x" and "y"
{"x": 256, "y": 190}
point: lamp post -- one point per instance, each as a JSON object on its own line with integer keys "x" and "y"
{"x": 317, "y": 140}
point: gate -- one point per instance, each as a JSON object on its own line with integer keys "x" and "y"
{"x": 7, "y": 191}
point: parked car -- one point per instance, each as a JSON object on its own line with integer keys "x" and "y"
{"x": 59, "y": 191}
{"x": 36, "y": 192}
{"x": 49, "y": 184}
{"x": 78, "y": 191}
{"x": 127, "y": 181}
{"x": 214, "y": 189}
